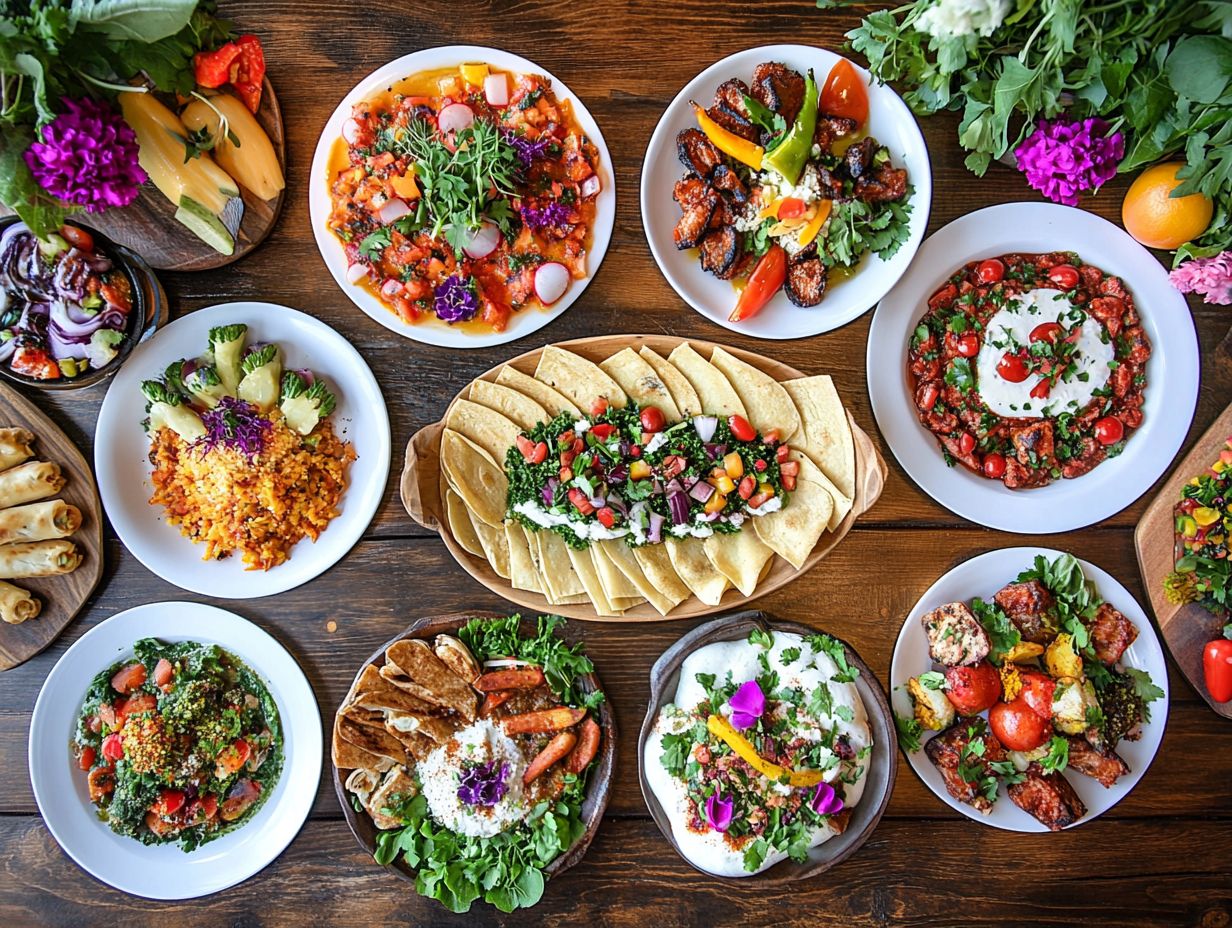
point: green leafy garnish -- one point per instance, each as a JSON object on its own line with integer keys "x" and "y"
{"x": 909, "y": 731}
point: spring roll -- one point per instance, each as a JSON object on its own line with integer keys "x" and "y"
{"x": 38, "y": 559}
{"x": 15, "y": 447}
{"x": 29, "y": 482}
{"x": 16, "y": 605}
{"x": 39, "y": 521}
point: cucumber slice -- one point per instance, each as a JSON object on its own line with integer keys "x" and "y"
{"x": 205, "y": 225}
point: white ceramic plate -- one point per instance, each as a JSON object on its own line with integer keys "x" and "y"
{"x": 165, "y": 871}
{"x": 983, "y": 576}
{"x": 1172, "y": 372}
{"x": 121, "y": 450}
{"x": 433, "y": 331}
{"x": 890, "y": 122}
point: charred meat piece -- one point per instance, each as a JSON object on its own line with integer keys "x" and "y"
{"x": 1028, "y": 605}
{"x": 831, "y": 185}
{"x": 697, "y": 153}
{"x": 1034, "y": 444}
{"x": 806, "y": 279}
{"x": 722, "y": 215}
{"x": 728, "y": 181}
{"x": 778, "y": 88}
{"x": 858, "y": 160}
{"x": 884, "y": 185}
{"x": 695, "y": 221}
{"x": 1048, "y": 797}
{"x": 832, "y": 128}
{"x": 1091, "y": 454}
{"x": 729, "y": 110}
{"x": 1018, "y": 477}
{"x": 688, "y": 191}
{"x": 1105, "y": 766}
{"x": 946, "y": 753}
{"x": 720, "y": 252}
{"x": 1111, "y": 634}
{"x": 955, "y": 636}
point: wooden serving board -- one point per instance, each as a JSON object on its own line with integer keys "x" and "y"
{"x": 422, "y": 480}
{"x": 64, "y": 595}
{"x": 598, "y": 789}
{"x": 1186, "y": 629}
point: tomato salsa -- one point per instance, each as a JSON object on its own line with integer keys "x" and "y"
{"x": 1030, "y": 367}
{"x": 464, "y": 195}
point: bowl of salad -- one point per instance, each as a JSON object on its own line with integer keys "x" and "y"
{"x": 72, "y": 307}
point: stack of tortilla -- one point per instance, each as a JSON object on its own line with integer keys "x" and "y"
{"x": 484, "y": 422}
{"x": 33, "y": 529}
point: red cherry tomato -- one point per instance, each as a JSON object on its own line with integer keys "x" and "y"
{"x": 741, "y": 429}
{"x": 599, "y": 407}
{"x": 606, "y": 516}
{"x": 966, "y": 442}
{"x": 994, "y": 465}
{"x": 113, "y": 747}
{"x": 1012, "y": 368}
{"x": 169, "y": 802}
{"x": 973, "y": 689}
{"x": 86, "y": 760}
{"x": 1037, "y": 690}
{"x": 1217, "y": 668}
{"x": 791, "y": 208}
{"x": 1109, "y": 430}
{"x": 968, "y": 345}
{"x": 163, "y": 671}
{"x": 1017, "y": 725}
{"x": 652, "y": 419}
{"x": 929, "y": 396}
{"x": 1064, "y": 276}
{"x": 1041, "y": 390}
{"x": 844, "y": 93}
{"x": 129, "y": 677}
{"x": 1047, "y": 332}
{"x": 990, "y": 271}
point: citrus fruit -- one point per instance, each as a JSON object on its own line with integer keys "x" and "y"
{"x": 1157, "y": 219}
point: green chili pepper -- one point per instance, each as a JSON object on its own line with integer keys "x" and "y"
{"x": 788, "y": 158}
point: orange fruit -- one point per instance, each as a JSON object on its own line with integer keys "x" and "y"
{"x": 1157, "y": 219}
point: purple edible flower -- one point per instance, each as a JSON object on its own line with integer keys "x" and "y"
{"x": 825, "y": 801}
{"x": 747, "y": 705}
{"x": 719, "y": 812}
{"x": 554, "y": 214}
{"x": 483, "y": 784}
{"x": 1212, "y": 277}
{"x": 527, "y": 150}
{"x": 87, "y": 155}
{"x": 455, "y": 300}
{"x": 234, "y": 423}
{"x": 1063, "y": 157}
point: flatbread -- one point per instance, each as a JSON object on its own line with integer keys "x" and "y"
{"x": 551, "y": 400}
{"x": 523, "y": 574}
{"x": 495, "y": 547}
{"x": 792, "y": 532}
{"x": 556, "y": 569}
{"x": 474, "y": 476}
{"x": 657, "y": 566}
{"x": 348, "y": 756}
{"x": 621, "y": 555}
{"x": 411, "y": 665}
{"x": 460, "y": 524}
{"x": 826, "y": 428}
{"x": 689, "y": 560}
{"x": 372, "y": 691}
{"x": 714, "y": 390}
{"x": 396, "y": 783}
{"x": 582, "y": 381}
{"x": 584, "y": 567}
{"x": 739, "y": 557}
{"x": 767, "y": 404}
{"x": 641, "y": 382}
{"x": 524, "y": 410}
{"x": 416, "y": 723}
{"x": 373, "y": 740}
{"x": 682, "y": 391}
{"x": 616, "y": 585}
{"x": 490, "y": 430}
{"x": 842, "y": 504}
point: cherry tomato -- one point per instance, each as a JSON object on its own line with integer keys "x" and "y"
{"x": 129, "y": 677}
{"x": 1109, "y": 430}
{"x": 969, "y": 345}
{"x": 232, "y": 759}
{"x": 994, "y": 465}
{"x": 929, "y": 396}
{"x": 113, "y": 747}
{"x": 599, "y": 407}
{"x": 35, "y": 362}
{"x": 990, "y": 271}
{"x": 1017, "y": 725}
{"x": 764, "y": 283}
{"x": 652, "y": 419}
{"x": 844, "y": 93}
{"x": 1217, "y": 668}
{"x": 602, "y": 431}
{"x": 740, "y": 428}
{"x": 1037, "y": 690}
{"x": 1041, "y": 390}
{"x": 791, "y": 208}
{"x": 1047, "y": 332}
{"x": 973, "y": 689}
{"x": 78, "y": 237}
{"x": 1012, "y": 368}
{"x": 163, "y": 672}
{"x": 966, "y": 442}
{"x": 86, "y": 760}
{"x": 606, "y": 516}
{"x": 1064, "y": 276}
{"x": 169, "y": 802}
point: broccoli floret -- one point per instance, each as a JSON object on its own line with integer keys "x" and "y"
{"x": 259, "y": 358}
{"x": 304, "y": 406}
{"x": 158, "y": 392}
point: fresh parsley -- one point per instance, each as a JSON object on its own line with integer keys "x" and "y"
{"x": 1057, "y": 757}
{"x": 856, "y": 228}
{"x": 909, "y": 732}
{"x": 825, "y": 644}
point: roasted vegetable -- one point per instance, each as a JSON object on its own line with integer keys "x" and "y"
{"x": 262, "y": 368}
{"x": 305, "y": 404}
{"x": 167, "y": 409}
{"x": 1071, "y": 701}
{"x": 240, "y": 145}
{"x": 931, "y": 707}
{"x": 1061, "y": 658}
{"x": 227, "y": 347}
{"x": 205, "y": 386}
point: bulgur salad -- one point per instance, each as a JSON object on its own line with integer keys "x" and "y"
{"x": 179, "y": 744}
{"x": 245, "y": 456}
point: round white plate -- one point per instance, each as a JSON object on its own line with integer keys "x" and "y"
{"x": 1172, "y": 372}
{"x": 890, "y": 122}
{"x": 983, "y": 576}
{"x": 165, "y": 871}
{"x": 121, "y": 450}
{"x": 433, "y": 331}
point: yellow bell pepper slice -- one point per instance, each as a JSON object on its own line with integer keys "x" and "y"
{"x": 809, "y": 232}
{"x": 771, "y": 209}
{"x": 729, "y": 143}
{"x": 716, "y": 503}
{"x": 474, "y": 74}
{"x": 722, "y": 729}
{"x": 404, "y": 185}
{"x": 1205, "y": 515}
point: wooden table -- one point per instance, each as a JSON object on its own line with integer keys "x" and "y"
{"x": 1161, "y": 857}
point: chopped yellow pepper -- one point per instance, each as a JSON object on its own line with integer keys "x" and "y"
{"x": 716, "y": 503}
{"x": 809, "y": 232}
{"x": 404, "y": 185}
{"x": 723, "y": 484}
{"x": 639, "y": 470}
{"x": 733, "y": 464}
{"x": 1205, "y": 515}
{"x": 721, "y": 728}
{"x": 474, "y": 74}
{"x": 1023, "y": 651}
{"x": 729, "y": 143}
{"x": 766, "y": 488}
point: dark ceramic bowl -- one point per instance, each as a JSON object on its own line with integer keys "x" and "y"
{"x": 148, "y": 313}
{"x": 883, "y": 763}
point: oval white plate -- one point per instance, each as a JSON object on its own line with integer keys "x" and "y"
{"x": 165, "y": 871}
{"x": 121, "y": 450}
{"x": 1172, "y": 372}
{"x": 983, "y": 576}
{"x": 432, "y": 331}
{"x": 889, "y": 121}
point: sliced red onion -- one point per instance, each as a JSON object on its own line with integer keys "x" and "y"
{"x": 705, "y": 426}
{"x": 618, "y": 504}
{"x": 709, "y": 516}
{"x": 455, "y": 117}
{"x": 481, "y": 242}
{"x": 679, "y": 504}
{"x": 496, "y": 89}
{"x": 551, "y": 282}
{"x": 351, "y": 129}
{"x": 688, "y": 481}
{"x": 391, "y": 288}
{"x": 393, "y": 210}
{"x": 72, "y": 329}
{"x": 716, "y": 451}
{"x": 702, "y": 491}
{"x": 64, "y": 346}
{"x": 618, "y": 473}
{"x": 591, "y": 186}
{"x": 654, "y": 533}
{"x": 356, "y": 272}
{"x": 673, "y": 486}
{"x": 598, "y": 501}
{"x": 549, "y": 491}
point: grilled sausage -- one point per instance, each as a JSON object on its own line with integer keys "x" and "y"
{"x": 728, "y": 181}
{"x": 695, "y": 221}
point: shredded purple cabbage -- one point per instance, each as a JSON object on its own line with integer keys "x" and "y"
{"x": 234, "y": 423}
{"x": 554, "y": 214}
{"x": 455, "y": 300}
{"x": 527, "y": 150}
{"x": 483, "y": 784}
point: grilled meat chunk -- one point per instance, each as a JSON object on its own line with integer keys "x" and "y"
{"x": 1028, "y": 606}
{"x": 806, "y": 280}
{"x": 884, "y": 185}
{"x": 730, "y": 112}
{"x": 858, "y": 159}
{"x": 728, "y": 181}
{"x": 695, "y": 221}
{"x": 1034, "y": 444}
{"x": 688, "y": 191}
{"x": 832, "y": 128}
{"x": 946, "y": 753}
{"x": 1105, "y": 766}
{"x": 1111, "y": 634}
{"x": 720, "y": 252}
{"x": 1048, "y": 797}
{"x": 955, "y": 636}
{"x": 1018, "y": 477}
{"x": 779, "y": 88}
{"x": 697, "y": 153}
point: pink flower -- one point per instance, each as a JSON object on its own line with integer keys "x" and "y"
{"x": 1212, "y": 277}
{"x": 88, "y": 156}
{"x": 1063, "y": 157}
{"x": 825, "y": 801}
{"x": 719, "y": 812}
{"x": 747, "y": 704}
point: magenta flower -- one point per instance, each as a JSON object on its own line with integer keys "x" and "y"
{"x": 87, "y": 156}
{"x": 1063, "y": 157}
{"x": 1212, "y": 277}
{"x": 455, "y": 300}
{"x": 719, "y": 812}
{"x": 747, "y": 705}
{"x": 825, "y": 801}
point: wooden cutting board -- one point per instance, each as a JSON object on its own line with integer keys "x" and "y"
{"x": 62, "y": 596}
{"x": 1186, "y": 629}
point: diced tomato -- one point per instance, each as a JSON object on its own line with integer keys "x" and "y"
{"x": 540, "y": 454}
{"x": 741, "y": 428}
{"x": 160, "y": 826}
{"x": 969, "y": 345}
{"x": 566, "y": 474}
{"x": 85, "y": 760}
{"x": 635, "y": 451}
{"x": 994, "y": 465}
{"x": 764, "y": 283}
{"x": 789, "y": 482}
{"x": 232, "y": 759}
{"x": 990, "y": 271}
{"x": 966, "y": 442}
{"x": 580, "y": 502}
{"x": 791, "y": 208}
{"x": 108, "y": 716}
{"x": 163, "y": 671}
{"x": 129, "y": 677}
{"x": 1012, "y": 368}
{"x": 78, "y": 237}
{"x": 169, "y": 802}
{"x": 606, "y": 516}
{"x": 1109, "y": 430}
{"x": 201, "y": 810}
{"x": 578, "y": 444}
{"x": 760, "y": 465}
{"x": 1041, "y": 390}
{"x": 929, "y": 394}
{"x": 134, "y": 705}
{"x": 113, "y": 747}
{"x": 1064, "y": 276}
{"x": 746, "y": 487}
{"x": 525, "y": 446}
{"x": 35, "y": 362}
{"x": 790, "y": 468}
{"x": 603, "y": 431}
{"x": 599, "y": 407}
{"x": 757, "y": 499}
{"x": 781, "y": 453}
{"x": 652, "y": 419}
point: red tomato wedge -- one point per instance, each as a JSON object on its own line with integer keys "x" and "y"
{"x": 764, "y": 283}
{"x": 844, "y": 93}
{"x": 1217, "y": 668}
{"x": 128, "y": 678}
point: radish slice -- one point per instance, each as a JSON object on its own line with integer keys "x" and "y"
{"x": 351, "y": 129}
{"x": 496, "y": 89}
{"x": 551, "y": 282}
{"x": 591, "y": 186}
{"x": 391, "y": 288}
{"x": 455, "y": 117}
{"x": 507, "y": 662}
{"x": 356, "y": 272}
{"x": 392, "y": 211}
{"x": 482, "y": 241}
